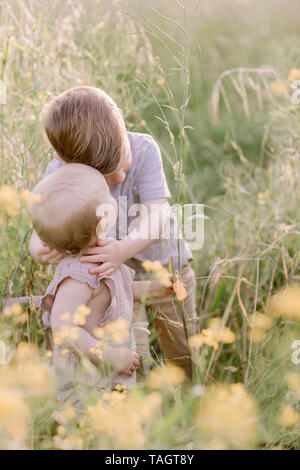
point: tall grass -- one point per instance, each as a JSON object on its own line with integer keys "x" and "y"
{"x": 201, "y": 83}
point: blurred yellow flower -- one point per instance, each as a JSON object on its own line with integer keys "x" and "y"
{"x": 161, "y": 81}
{"x": 26, "y": 351}
{"x": 16, "y": 309}
{"x": 161, "y": 377}
{"x": 278, "y": 88}
{"x": 36, "y": 377}
{"x": 229, "y": 413}
{"x": 260, "y": 321}
{"x": 66, "y": 332}
{"x": 14, "y": 413}
{"x": 294, "y": 74}
{"x": 288, "y": 417}
{"x": 121, "y": 417}
{"x": 118, "y": 330}
{"x": 216, "y": 333}
{"x": 286, "y": 303}
{"x": 179, "y": 290}
{"x": 99, "y": 332}
{"x": 293, "y": 382}
{"x": 9, "y": 200}
{"x": 256, "y": 335}
{"x": 65, "y": 414}
{"x": 80, "y": 315}
{"x": 222, "y": 334}
{"x": 36, "y": 199}
{"x": 97, "y": 351}
{"x": 160, "y": 271}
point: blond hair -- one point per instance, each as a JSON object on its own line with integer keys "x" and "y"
{"x": 84, "y": 125}
{"x": 64, "y": 215}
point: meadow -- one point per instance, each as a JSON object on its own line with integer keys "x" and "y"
{"x": 212, "y": 81}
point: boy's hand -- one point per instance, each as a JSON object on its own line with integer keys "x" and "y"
{"x": 49, "y": 255}
{"x": 108, "y": 252}
{"x": 160, "y": 289}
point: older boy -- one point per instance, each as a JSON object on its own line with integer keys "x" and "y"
{"x": 84, "y": 125}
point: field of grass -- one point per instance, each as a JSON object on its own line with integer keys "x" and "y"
{"x": 211, "y": 81}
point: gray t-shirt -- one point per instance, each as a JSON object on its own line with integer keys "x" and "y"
{"x": 145, "y": 180}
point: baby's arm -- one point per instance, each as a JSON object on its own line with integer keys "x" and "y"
{"x": 42, "y": 253}
{"x": 72, "y": 293}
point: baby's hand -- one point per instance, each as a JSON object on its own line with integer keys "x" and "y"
{"x": 122, "y": 359}
{"x": 49, "y": 255}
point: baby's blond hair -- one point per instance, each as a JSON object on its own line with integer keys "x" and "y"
{"x": 64, "y": 216}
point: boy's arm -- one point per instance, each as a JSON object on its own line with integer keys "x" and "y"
{"x": 42, "y": 253}
{"x": 148, "y": 228}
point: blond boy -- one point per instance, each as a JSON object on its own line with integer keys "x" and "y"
{"x": 84, "y": 125}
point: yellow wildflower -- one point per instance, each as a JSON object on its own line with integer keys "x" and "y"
{"x": 65, "y": 414}
{"x": 286, "y": 303}
{"x": 260, "y": 321}
{"x": 65, "y": 332}
{"x": 9, "y": 200}
{"x": 160, "y": 271}
{"x": 288, "y": 417}
{"x": 80, "y": 315}
{"x": 99, "y": 332}
{"x": 118, "y": 330}
{"x": 26, "y": 351}
{"x": 221, "y": 333}
{"x": 257, "y": 335}
{"x": 14, "y": 413}
{"x": 36, "y": 377}
{"x": 216, "y": 333}
{"x": 294, "y": 74}
{"x": 161, "y": 81}
{"x": 165, "y": 376}
{"x": 229, "y": 413}
{"x": 293, "y": 382}
{"x": 179, "y": 290}
{"x": 278, "y": 88}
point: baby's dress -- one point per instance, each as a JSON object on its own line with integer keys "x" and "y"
{"x": 75, "y": 375}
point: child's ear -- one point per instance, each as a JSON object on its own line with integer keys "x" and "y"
{"x": 102, "y": 227}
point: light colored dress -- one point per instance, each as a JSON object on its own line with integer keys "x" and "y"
{"x": 74, "y": 374}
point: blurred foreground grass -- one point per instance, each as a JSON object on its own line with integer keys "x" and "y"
{"x": 217, "y": 75}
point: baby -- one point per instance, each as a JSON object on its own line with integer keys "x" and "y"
{"x": 66, "y": 219}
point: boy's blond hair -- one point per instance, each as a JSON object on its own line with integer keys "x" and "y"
{"x": 64, "y": 215}
{"x": 84, "y": 125}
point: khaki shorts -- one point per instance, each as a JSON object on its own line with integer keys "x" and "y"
{"x": 168, "y": 325}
